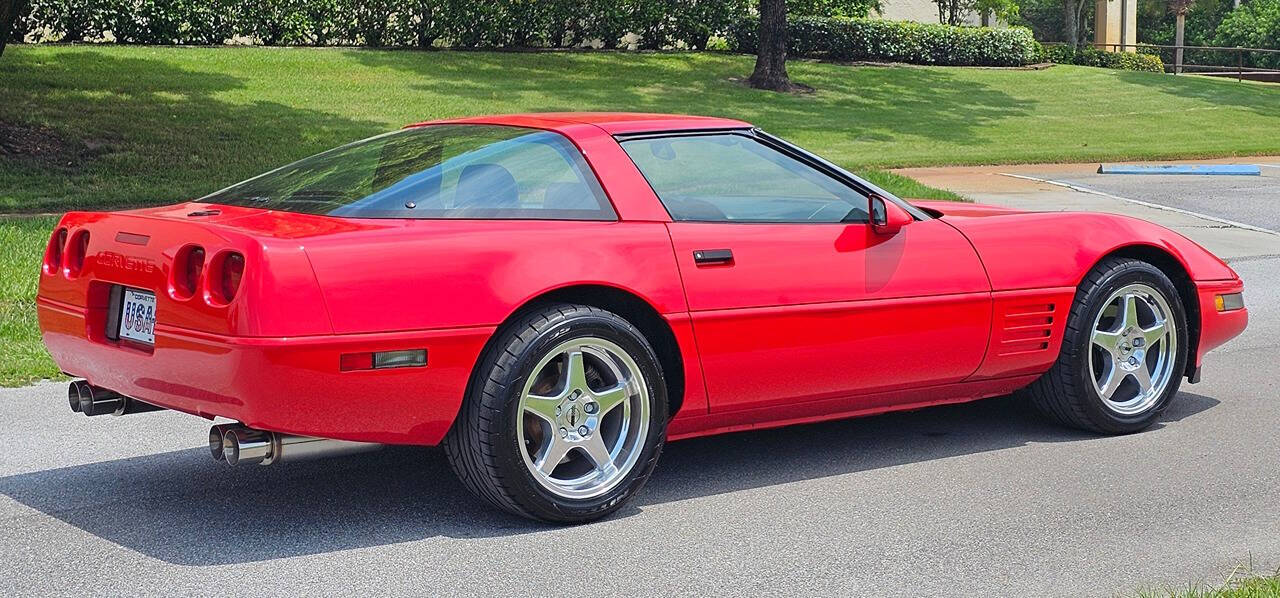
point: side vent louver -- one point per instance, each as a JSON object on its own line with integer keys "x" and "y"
{"x": 1026, "y": 328}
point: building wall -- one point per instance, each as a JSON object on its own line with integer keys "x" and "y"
{"x": 920, "y": 11}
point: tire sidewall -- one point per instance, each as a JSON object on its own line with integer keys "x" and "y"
{"x": 528, "y": 491}
{"x": 1095, "y": 406}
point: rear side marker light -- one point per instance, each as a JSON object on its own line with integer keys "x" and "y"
{"x": 1229, "y": 302}
{"x": 382, "y": 360}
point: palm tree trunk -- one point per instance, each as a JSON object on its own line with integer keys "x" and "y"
{"x": 771, "y": 55}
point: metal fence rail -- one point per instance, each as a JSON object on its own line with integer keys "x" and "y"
{"x": 1196, "y": 59}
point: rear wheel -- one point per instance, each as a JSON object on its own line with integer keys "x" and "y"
{"x": 566, "y": 417}
{"x": 1123, "y": 353}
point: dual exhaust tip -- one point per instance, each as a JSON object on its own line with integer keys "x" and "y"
{"x": 232, "y": 443}
{"x": 91, "y": 400}
{"x": 236, "y": 444}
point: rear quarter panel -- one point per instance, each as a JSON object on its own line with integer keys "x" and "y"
{"x": 443, "y": 274}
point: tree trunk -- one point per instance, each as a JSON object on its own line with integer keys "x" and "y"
{"x": 771, "y": 55}
{"x": 1178, "y": 37}
{"x": 1071, "y": 22}
{"x": 9, "y": 11}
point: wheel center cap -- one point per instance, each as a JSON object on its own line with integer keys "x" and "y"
{"x": 573, "y": 415}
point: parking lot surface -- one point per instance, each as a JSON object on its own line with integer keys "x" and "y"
{"x": 975, "y": 499}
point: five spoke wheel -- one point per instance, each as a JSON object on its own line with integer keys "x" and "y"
{"x": 1134, "y": 345}
{"x": 585, "y": 417}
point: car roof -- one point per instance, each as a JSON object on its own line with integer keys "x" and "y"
{"x": 613, "y": 123}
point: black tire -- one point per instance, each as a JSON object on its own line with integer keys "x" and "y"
{"x": 1066, "y": 393}
{"x": 482, "y": 446}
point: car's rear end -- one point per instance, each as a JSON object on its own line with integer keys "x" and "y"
{"x": 216, "y": 311}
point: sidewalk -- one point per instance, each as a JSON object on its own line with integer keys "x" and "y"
{"x": 1002, "y": 186}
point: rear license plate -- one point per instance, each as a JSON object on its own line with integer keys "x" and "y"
{"x": 138, "y": 316}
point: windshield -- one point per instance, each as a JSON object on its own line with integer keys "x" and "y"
{"x": 439, "y": 171}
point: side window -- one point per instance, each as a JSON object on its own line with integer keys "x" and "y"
{"x": 734, "y": 178}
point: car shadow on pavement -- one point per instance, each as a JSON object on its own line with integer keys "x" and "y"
{"x": 183, "y": 508}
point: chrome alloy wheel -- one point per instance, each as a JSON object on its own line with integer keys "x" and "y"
{"x": 584, "y": 418}
{"x": 1134, "y": 348}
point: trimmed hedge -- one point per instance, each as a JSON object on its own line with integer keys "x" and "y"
{"x": 880, "y": 40}
{"x": 1090, "y": 56}
{"x": 385, "y": 23}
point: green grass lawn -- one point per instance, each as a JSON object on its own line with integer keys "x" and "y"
{"x": 24, "y": 357}
{"x": 146, "y": 125}
{"x": 104, "y": 127}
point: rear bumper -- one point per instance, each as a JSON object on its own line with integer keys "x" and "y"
{"x": 1218, "y": 327}
{"x": 284, "y": 384}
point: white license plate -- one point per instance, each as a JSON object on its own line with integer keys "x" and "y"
{"x": 138, "y": 316}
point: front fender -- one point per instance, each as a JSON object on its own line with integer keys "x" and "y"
{"x": 1027, "y": 250}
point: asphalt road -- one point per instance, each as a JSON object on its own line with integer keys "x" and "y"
{"x": 1246, "y": 199}
{"x": 977, "y": 499}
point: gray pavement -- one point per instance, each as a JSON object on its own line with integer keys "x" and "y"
{"x": 1251, "y": 200}
{"x": 976, "y": 499}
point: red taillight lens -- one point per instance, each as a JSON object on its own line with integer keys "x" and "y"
{"x": 189, "y": 267}
{"x": 232, "y": 272}
{"x": 74, "y": 258}
{"x": 53, "y": 253}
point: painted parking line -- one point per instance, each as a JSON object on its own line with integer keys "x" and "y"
{"x": 1148, "y": 204}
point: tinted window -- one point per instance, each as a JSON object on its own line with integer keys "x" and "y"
{"x": 442, "y": 171}
{"x": 734, "y": 178}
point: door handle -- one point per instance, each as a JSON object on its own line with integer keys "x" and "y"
{"x": 711, "y": 257}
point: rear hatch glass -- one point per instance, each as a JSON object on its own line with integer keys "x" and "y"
{"x": 438, "y": 171}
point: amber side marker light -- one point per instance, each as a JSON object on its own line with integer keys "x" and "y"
{"x": 1230, "y": 302}
{"x": 410, "y": 358}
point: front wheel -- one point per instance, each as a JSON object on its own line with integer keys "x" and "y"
{"x": 1123, "y": 354}
{"x": 566, "y": 417}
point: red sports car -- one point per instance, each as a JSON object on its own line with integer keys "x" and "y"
{"x": 552, "y": 297}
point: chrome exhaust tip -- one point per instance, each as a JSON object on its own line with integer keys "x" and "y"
{"x": 247, "y": 445}
{"x": 215, "y": 440}
{"x": 73, "y": 394}
{"x": 236, "y": 444}
{"x": 100, "y": 401}
{"x": 91, "y": 400}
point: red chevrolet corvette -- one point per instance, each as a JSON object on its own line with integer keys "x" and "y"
{"x": 552, "y": 297}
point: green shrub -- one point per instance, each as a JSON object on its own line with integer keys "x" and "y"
{"x": 881, "y": 40}
{"x": 1142, "y": 60}
{"x": 406, "y": 23}
{"x": 1253, "y": 25}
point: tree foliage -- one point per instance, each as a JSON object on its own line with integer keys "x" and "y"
{"x": 399, "y": 23}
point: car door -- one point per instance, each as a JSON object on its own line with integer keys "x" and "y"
{"x": 793, "y": 296}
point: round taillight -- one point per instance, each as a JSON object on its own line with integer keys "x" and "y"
{"x": 230, "y": 273}
{"x": 53, "y": 253}
{"x": 188, "y": 267}
{"x": 76, "y": 252}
